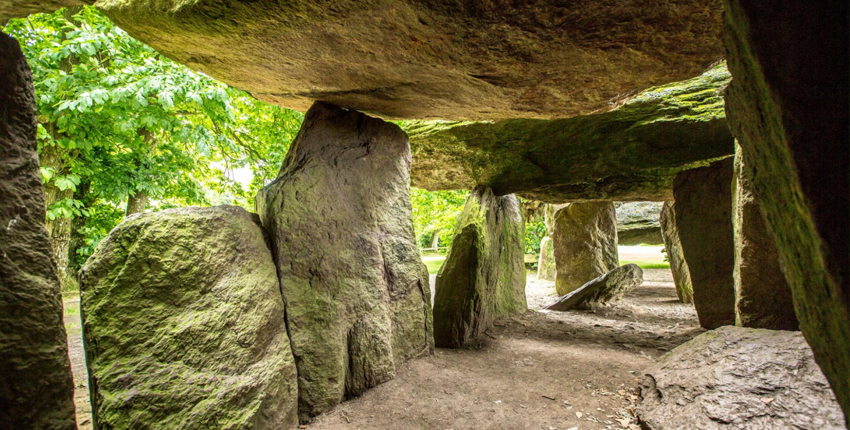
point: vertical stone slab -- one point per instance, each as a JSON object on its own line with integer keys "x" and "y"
{"x": 788, "y": 107}
{"x": 585, "y": 242}
{"x": 762, "y": 295}
{"x": 546, "y": 261}
{"x": 339, "y": 218}
{"x": 483, "y": 277}
{"x": 704, "y": 217}
{"x": 36, "y": 386}
{"x": 678, "y": 264}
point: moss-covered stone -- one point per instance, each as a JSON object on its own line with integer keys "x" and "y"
{"x": 339, "y": 218}
{"x": 704, "y": 220}
{"x": 673, "y": 246}
{"x": 183, "y": 325}
{"x": 630, "y": 153}
{"x": 585, "y": 242}
{"x": 762, "y": 295}
{"x": 788, "y": 109}
{"x": 546, "y": 261}
{"x": 483, "y": 277}
{"x": 36, "y": 388}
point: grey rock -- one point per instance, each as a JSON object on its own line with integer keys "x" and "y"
{"x": 585, "y": 242}
{"x": 604, "y": 289}
{"x": 638, "y": 223}
{"x": 673, "y": 246}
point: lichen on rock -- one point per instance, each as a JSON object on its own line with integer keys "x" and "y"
{"x": 673, "y": 247}
{"x": 585, "y": 242}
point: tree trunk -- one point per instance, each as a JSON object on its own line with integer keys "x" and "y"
{"x": 58, "y": 228}
{"x": 136, "y": 203}
{"x": 84, "y": 195}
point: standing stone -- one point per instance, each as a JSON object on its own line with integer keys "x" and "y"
{"x": 483, "y": 276}
{"x": 673, "y": 246}
{"x": 585, "y": 242}
{"x": 704, "y": 218}
{"x": 762, "y": 295}
{"x": 36, "y": 387}
{"x": 339, "y": 218}
{"x": 183, "y": 325}
{"x": 637, "y": 223}
{"x": 546, "y": 262}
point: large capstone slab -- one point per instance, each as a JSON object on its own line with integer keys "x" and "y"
{"x": 585, "y": 242}
{"x": 36, "y": 387}
{"x": 673, "y": 249}
{"x": 183, "y": 325}
{"x": 739, "y": 378}
{"x": 483, "y": 276}
{"x": 638, "y": 223}
{"x": 340, "y": 223}
{"x": 632, "y": 152}
{"x": 704, "y": 219}
{"x": 433, "y": 59}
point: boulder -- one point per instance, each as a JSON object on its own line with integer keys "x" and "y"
{"x": 788, "y": 109}
{"x": 546, "y": 261}
{"x": 604, "y": 289}
{"x": 673, "y": 246}
{"x": 762, "y": 295}
{"x": 483, "y": 277}
{"x": 183, "y": 325}
{"x": 738, "y": 378}
{"x": 638, "y": 223}
{"x": 36, "y": 387}
{"x": 339, "y": 217}
{"x": 632, "y": 152}
{"x": 415, "y": 59}
{"x": 704, "y": 219}
{"x": 585, "y": 242}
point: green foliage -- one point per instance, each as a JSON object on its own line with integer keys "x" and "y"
{"x": 436, "y": 211}
{"x": 535, "y": 231}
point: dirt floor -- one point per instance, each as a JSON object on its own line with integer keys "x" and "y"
{"x": 541, "y": 370}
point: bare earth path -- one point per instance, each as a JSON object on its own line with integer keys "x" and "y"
{"x": 542, "y": 370}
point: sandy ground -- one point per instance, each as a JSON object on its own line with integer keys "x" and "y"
{"x": 73, "y": 327}
{"x": 541, "y": 370}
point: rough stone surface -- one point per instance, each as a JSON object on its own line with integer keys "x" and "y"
{"x": 36, "y": 389}
{"x": 606, "y": 288}
{"x": 762, "y": 295}
{"x": 183, "y": 325}
{"x": 21, "y": 8}
{"x": 339, "y": 218}
{"x": 739, "y": 378}
{"x": 638, "y": 223}
{"x": 788, "y": 109}
{"x": 630, "y": 153}
{"x": 673, "y": 246}
{"x": 483, "y": 277}
{"x": 585, "y": 241}
{"x": 546, "y": 261}
{"x": 434, "y": 59}
{"x": 704, "y": 218}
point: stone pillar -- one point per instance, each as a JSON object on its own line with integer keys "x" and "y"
{"x": 673, "y": 246}
{"x": 36, "y": 386}
{"x": 339, "y": 219}
{"x": 483, "y": 277}
{"x": 762, "y": 295}
{"x": 585, "y": 242}
{"x": 787, "y": 105}
{"x": 546, "y": 262}
{"x": 704, "y": 218}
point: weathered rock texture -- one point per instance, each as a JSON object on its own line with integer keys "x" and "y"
{"x": 704, "y": 219}
{"x": 483, "y": 277}
{"x": 36, "y": 388}
{"x": 433, "y": 59}
{"x": 762, "y": 295}
{"x": 183, "y": 325}
{"x": 788, "y": 109}
{"x": 739, "y": 378}
{"x": 673, "y": 246}
{"x": 20, "y": 8}
{"x": 585, "y": 242}
{"x": 606, "y": 288}
{"x": 339, "y": 218}
{"x": 631, "y": 152}
{"x": 546, "y": 261}
{"x": 638, "y": 222}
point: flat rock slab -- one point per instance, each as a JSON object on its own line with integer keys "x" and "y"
{"x": 183, "y": 325}
{"x": 739, "y": 378}
{"x": 483, "y": 276}
{"x": 36, "y": 387}
{"x": 339, "y": 219}
{"x": 606, "y": 288}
